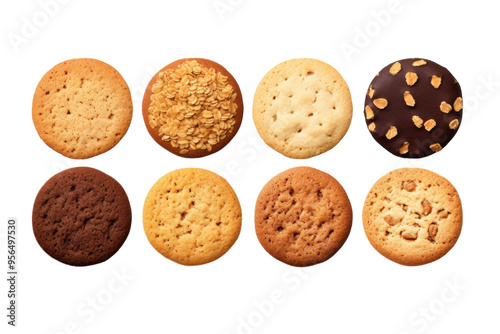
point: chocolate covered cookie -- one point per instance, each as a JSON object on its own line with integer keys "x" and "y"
{"x": 302, "y": 216}
{"x": 413, "y": 107}
{"x": 81, "y": 216}
{"x": 412, "y": 216}
{"x": 193, "y": 107}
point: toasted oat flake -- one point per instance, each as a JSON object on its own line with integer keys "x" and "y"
{"x": 417, "y": 121}
{"x": 371, "y": 91}
{"x": 457, "y": 105}
{"x": 454, "y": 124}
{"x": 445, "y": 107}
{"x": 391, "y": 133}
{"x": 411, "y": 78}
{"x": 420, "y": 62}
{"x": 436, "y": 147}
{"x": 395, "y": 68}
{"x": 380, "y": 103}
{"x": 429, "y": 124}
{"x": 404, "y": 148}
{"x": 369, "y": 113}
{"x": 436, "y": 81}
{"x": 410, "y": 101}
{"x": 193, "y": 107}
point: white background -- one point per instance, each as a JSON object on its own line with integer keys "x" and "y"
{"x": 356, "y": 291}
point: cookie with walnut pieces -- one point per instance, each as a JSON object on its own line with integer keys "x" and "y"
{"x": 412, "y": 216}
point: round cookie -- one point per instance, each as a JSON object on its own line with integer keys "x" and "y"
{"x": 302, "y": 216}
{"x": 81, "y": 216}
{"x": 413, "y": 107}
{"x": 412, "y": 216}
{"x": 192, "y": 216}
{"x": 302, "y": 108}
{"x": 82, "y": 108}
{"x": 193, "y": 107}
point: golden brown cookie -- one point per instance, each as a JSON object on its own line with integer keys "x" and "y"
{"x": 303, "y": 216}
{"x": 412, "y": 216}
{"x": 302, "y": 108}
{"x": 82, "y": 108}
{"x": 192, "y": 216}
{"x": 193, "y": 107}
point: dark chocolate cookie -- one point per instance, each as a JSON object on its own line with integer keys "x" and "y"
{"x": 303, "y": 216}
{"x": 413, "y": 107}
{"x": 81, "y": 216}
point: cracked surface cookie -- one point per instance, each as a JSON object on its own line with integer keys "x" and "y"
{"x": 302, "y": 108}
{"x": 82, "y": 108}
{"x": 81, "y": 216}
{"x": 192, "y": 216}
{"x": 413, "y": 107}
{"x": 193, "y": 107}
{"x": 412, "y": 216}
{"x": 303, "y": 216}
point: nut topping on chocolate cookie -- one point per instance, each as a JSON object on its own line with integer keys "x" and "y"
{"x": 380, "y": 103}
{"x": 419, "y": 98}
{"x": 395, "y": 68}
{"x": 419, "y": 63}
{"x": 411, "y": 78}
{"x": 369, "y": 112}
{"x": 436, "y": 81}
